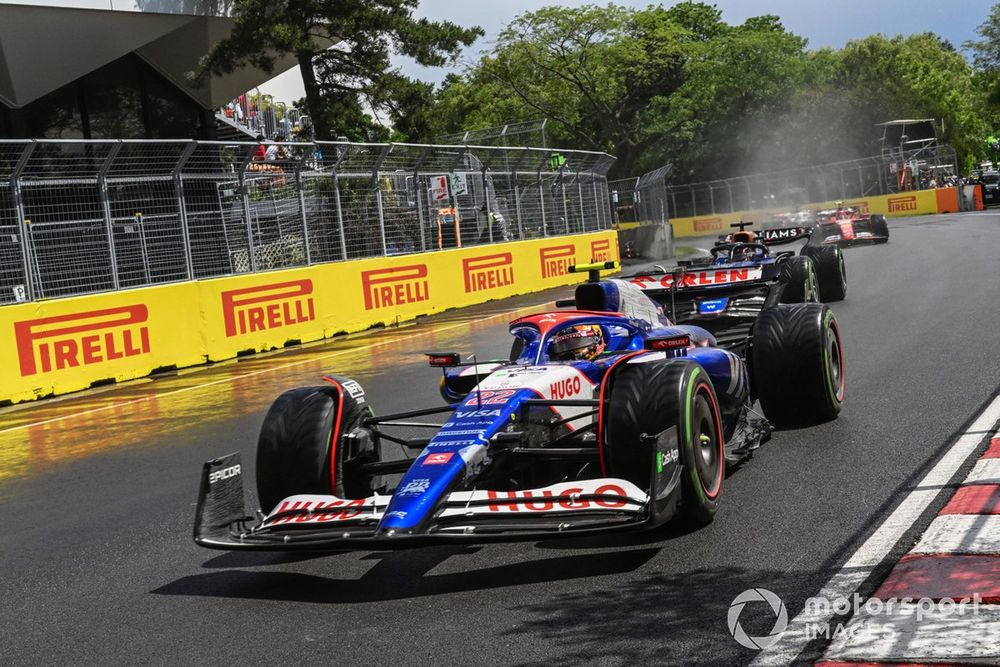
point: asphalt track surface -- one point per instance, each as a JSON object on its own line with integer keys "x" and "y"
{"x": 99, "y": 567}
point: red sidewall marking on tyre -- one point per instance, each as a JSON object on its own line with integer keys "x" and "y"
{"x": 703, "y": 385}
{"x": 335, "y": 435}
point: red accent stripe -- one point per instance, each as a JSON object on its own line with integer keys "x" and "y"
{"x": 993, "y": 451}
{"x": 938, "y": 576}
{"x": 335, "y": 434}
{"x": 975, "y": 499}
{"x": 718, "y": 427}
{"x": 600, "y": 409}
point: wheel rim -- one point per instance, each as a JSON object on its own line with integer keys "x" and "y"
{"x": 843, "y": 270}
{"x": 705, "y": 442}
{"x": 811, "y": 285}
{"x": 835, "y": 362}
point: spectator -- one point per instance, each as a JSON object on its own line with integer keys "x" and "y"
{"x": 276, "y": 151}
{"x": 261, "y": 153}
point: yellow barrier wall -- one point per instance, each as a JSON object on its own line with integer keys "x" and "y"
{"x": 69, "y": 344}
{"x": 920, "y": 202}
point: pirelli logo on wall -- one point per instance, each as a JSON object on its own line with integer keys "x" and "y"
{"x": 600, "y": 251}
{"x": 556, "y": 260}
{"x": 265, "y": 307}
{"x": 80, "y": 339}
{"x": 488, "y": 272}
{"x": 707, "y": 224}
{"x": 902, "y": 204}
{"x": 395, "y": 287}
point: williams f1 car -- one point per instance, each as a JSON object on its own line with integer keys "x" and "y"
{"x": 847, "y": 226}
{"x": 606, "y": 417}
{"x": 725, "y": 291}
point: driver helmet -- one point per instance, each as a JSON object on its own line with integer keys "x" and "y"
{"x": 746, "y": 253}
{"x": 578, "y": 343}
{"x": 744, "y": 236}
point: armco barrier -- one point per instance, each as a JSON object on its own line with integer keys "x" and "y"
{"x": 64, "y": 345}
{"x": 918, "y": 202}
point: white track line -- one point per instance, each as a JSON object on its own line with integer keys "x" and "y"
{"x": 875, "y": 549}
{"x": 270, "y": 369}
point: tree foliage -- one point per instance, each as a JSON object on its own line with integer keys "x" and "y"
{"x": 680, "y": 85}
{"x": 344, "y": 50}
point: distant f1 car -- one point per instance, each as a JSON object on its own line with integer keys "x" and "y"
{"x": 847, "y": 225}
{"x": 725, "y": 291}
{"x": 606, "y": 417}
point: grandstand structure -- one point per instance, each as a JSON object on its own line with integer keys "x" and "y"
{"x": 116, "y": 69}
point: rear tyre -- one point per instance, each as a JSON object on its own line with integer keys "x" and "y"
{"x": 831, "y": 271}
{"x": 649, "y": 398}
{"x": 301, "y": 449}
{"x": 880, "y": 228}
{"x": 799, "y": 281}
{"x": 798, "y": 364}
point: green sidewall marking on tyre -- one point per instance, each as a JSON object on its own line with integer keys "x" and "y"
{"x": 831, "y": 390}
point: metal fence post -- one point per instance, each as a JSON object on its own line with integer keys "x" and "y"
{"x": 711, "y": 197}
{"x": 597, "y": 203}
{"x": 102, "y": 188}
{"x": 300, "y": 186}
{"x": 245, "y": 196}
{"x": 378, "y": 197}
{"x": 486, "y": 203}
{"x": 340, "y": 214}
{"x": 541, "y": 201}
{"x": 416, "y": 196}
{"x": 579, "y": 192}
{"x": 562, "y": 189}
{"x": 182, "y": 206}
{"x": 27, "y": 248}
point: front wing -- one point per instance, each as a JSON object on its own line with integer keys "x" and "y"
{"x": 317, "y": 522}
{"x": 860, "y": 234}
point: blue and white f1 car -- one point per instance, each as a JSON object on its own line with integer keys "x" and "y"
{"x": 606, "y": 417}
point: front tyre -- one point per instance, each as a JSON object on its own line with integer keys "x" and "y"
{"x": 301, "y": 449}
{"x": 798, "y": 364}
{"x": 880, "y": 228}
{"x": 647, "y": 399}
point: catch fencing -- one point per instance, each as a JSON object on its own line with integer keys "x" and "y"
{"x": 78, "y": 217}
{"x": 652, "y": 198}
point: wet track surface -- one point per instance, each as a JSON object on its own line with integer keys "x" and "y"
{"x": 97, "y": 494}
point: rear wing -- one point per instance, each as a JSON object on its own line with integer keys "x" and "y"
{"x": 725, "y": 300}
{"x": 779, "y": 235}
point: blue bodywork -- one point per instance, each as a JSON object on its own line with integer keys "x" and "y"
{"x": 628, "y": 318}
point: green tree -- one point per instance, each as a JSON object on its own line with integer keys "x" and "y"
{"x": 344, "y": 50}
{"x": 986, "y": 60}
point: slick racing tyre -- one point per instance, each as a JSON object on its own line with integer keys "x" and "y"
{"x": 880, "y": 228}
{"x": 798, "y": 364}
{"x": 831, "y": 271}
{"x": 301, "y": 448}
{"x": 646, "y": 399}
{"x": 798, "y": 277}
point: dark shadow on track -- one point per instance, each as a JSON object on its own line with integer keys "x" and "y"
{"x": 401, "y": 575}
{"x": 640, "y": 622}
